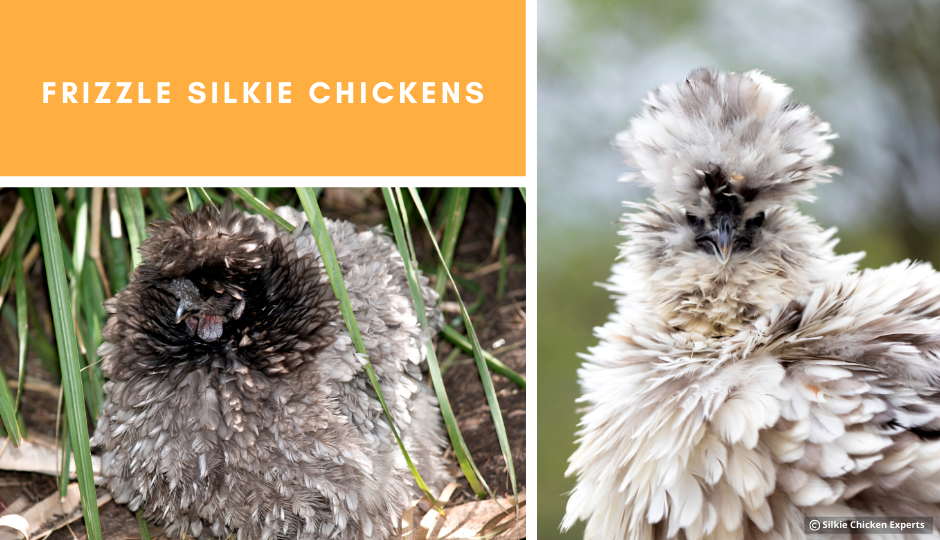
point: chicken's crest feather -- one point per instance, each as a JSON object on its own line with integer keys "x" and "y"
{"x": 734, "y": 128}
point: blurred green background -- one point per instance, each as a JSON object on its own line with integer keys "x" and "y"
{"x": 870, "y": 68}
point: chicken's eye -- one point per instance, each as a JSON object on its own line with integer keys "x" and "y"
{"x": 756, "y": 221}
{"x": 693, "y": 220}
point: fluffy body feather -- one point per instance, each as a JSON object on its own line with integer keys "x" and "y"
{"x": 265, "y": 424}
{"x": 734, "y": 392}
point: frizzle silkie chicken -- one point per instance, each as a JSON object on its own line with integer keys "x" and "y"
{"x": 750, "y": 377}
{"x": 237, "y": 404}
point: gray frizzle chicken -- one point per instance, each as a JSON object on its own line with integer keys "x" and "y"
{"x": 237, "y": 403}
{"x": 749, "y": 377}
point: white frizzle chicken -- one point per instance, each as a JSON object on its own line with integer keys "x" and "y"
{"x": 750, "y": 377}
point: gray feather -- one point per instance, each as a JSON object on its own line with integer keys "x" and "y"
{"x": 272, "y": 429}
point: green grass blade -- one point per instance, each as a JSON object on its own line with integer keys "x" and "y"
{"x": 331, "y": 264}
{"x": 142, "y": 525}
{"x": 157, "y": 204}
{"x": 262, "y": 208}
{"x": 40, "y": 345}
{"x": 76, "y": 279}
{"x": 137, "y": 207}
{"x": 477, "y": 354}
{"x": 193, "y": 198}
{"x": 92, "y": 403}
{"x": 502, "y": 219}
{"x": 432, "y": 199}
{"x": 66, "y": 461}
{"x": 450, "y": 421}
{"x": 68, "y": 217}
{"x": 6, "y": 275}
{"x": 503, "y": 272}
{"x": 115, "y": 247}
{"x": 476, "y": 288}
{"x": 23, "y": 431}
{"x": 132, "y": 207}
{"x": 28, "y": 197}
{"x": 461, "y": 341}
{"x": 206, "y": 197}
{"x": 81, "y": 230}
{"x": 92, "y": 381}
{"x": 445, "y": 365}
{"x": 43, "y": 347}
{"x": 454, "y": 213}
{"x": 68, "y": 356}
{"x": 7, "y": 402}
{"x": 94, "y": 291}
{"x": 8, "y": 412}
{"x": 276, "y": 197}
{"x": 522, "y": 190}
{"x": 446, "y": 209}
{"x": 67, "y": 260}
{"x": 494, "y": 192}
{"x": 22, "y": 301}
{"x": 92, "y": 297}
{"x": 262, "y": 193}
{"x": 214, "y": 196}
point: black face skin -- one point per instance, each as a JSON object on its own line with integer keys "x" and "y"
{"x": 724, "y": 233}
{"x": 201, "y": 298}
{"x": 204, "y": 317}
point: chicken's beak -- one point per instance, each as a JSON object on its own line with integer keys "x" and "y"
{"x": 182, "y": 311}
{"x": 724, "y": 241}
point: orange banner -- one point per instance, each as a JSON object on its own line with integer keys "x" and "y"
{"x": 374, "y": 88}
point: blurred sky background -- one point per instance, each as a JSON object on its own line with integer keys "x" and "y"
{"x": 871, "y": 68}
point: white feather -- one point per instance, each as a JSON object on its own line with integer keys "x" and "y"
{"x": 727, "y": 398}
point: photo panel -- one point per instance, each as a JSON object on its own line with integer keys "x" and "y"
{"x": 739, "y": 210}
{"x": 263, "y": 270}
